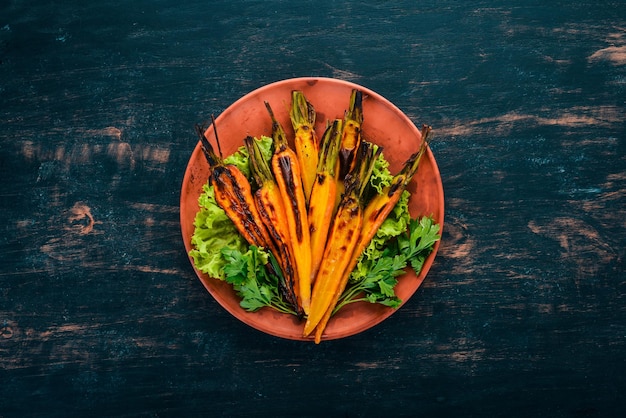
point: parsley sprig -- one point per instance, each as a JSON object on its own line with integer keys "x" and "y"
{"x": 248, "y": 275}
{"x": 378, "y": 283}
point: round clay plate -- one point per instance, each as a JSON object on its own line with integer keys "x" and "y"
{"x": 383, "y": 124}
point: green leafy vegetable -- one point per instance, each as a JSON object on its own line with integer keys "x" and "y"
{"x": 381, "y": 176}
{"x": 250, "y": 279}
{"x": 213, "y": 231}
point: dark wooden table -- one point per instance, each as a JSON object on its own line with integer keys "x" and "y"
{"x": 523, "y": 313}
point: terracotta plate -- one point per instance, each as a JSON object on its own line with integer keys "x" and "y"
{"x": 384, "y": 124}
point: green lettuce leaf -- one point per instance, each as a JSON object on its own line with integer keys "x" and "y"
{"x": 381, "y": 176}
{"x": 213, "y": 232}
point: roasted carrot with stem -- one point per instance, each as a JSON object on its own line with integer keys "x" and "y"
{"x": 322, "y": 200}
{"x": 302, "y": 115}
{"x": 379, "y": 207}
{"x": 288, "y": 175}
{"x": 375, "y": 213}
{"x": 351, "y": 135}
{"x": 350, "y": 140}
{"x": 233, "y": 193}
{"x": 272, "y": 211}
{"x": 342, "y": 238}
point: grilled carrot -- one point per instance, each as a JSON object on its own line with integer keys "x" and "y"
{"x": 351, "y": 135}
{"x": 350, "y": 140}
{"x": 322, "y": 200}
{"x": 288, "y": 177}
{"x": 272, "y": 211}
{"x": 375, "y": 213}
{"x": 342, "y": 238}
{"x": 379, "y": 207}
{"x": 233, "y": 193}
{"x": 302, "y": 115}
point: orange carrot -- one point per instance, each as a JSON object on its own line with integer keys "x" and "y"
{"x": 350, "y": 141}
{"x": 342, "y": 239}
{"x": 302, "y": 116}
{"x": 288, "y": 177}
{"x": 233, "y": 193}
{"x": 322, "y": 200}
{"x": 375, "y": 213}
{"x": 272, "y": 211}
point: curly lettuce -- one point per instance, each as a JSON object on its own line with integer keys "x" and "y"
{"x": 381, "y": 176}
{"x": 213, "y": 231}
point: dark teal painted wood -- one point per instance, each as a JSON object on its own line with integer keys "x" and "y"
{"x": 522, "y": 314}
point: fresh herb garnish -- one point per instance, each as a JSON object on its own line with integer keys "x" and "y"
{"x": 375, "y": 279}
{"x": 248, "y": 275}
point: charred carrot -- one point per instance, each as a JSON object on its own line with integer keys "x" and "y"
{"x": 379, "y": 207}
{"x": 350, "y": 140}
{"x": 272, "y": 211}
{"x": 351, "y": 135}
{"x": 286, "y": 169}
{"x": 302, "y": 115}
{"x": 233, "y": 193}
{"x": 322, "y": 200}
{"x": 375, "y": 213}
{"x": 342, "y": 238}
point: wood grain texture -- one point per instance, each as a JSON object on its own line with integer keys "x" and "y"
{"x": 523, "y": 313}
